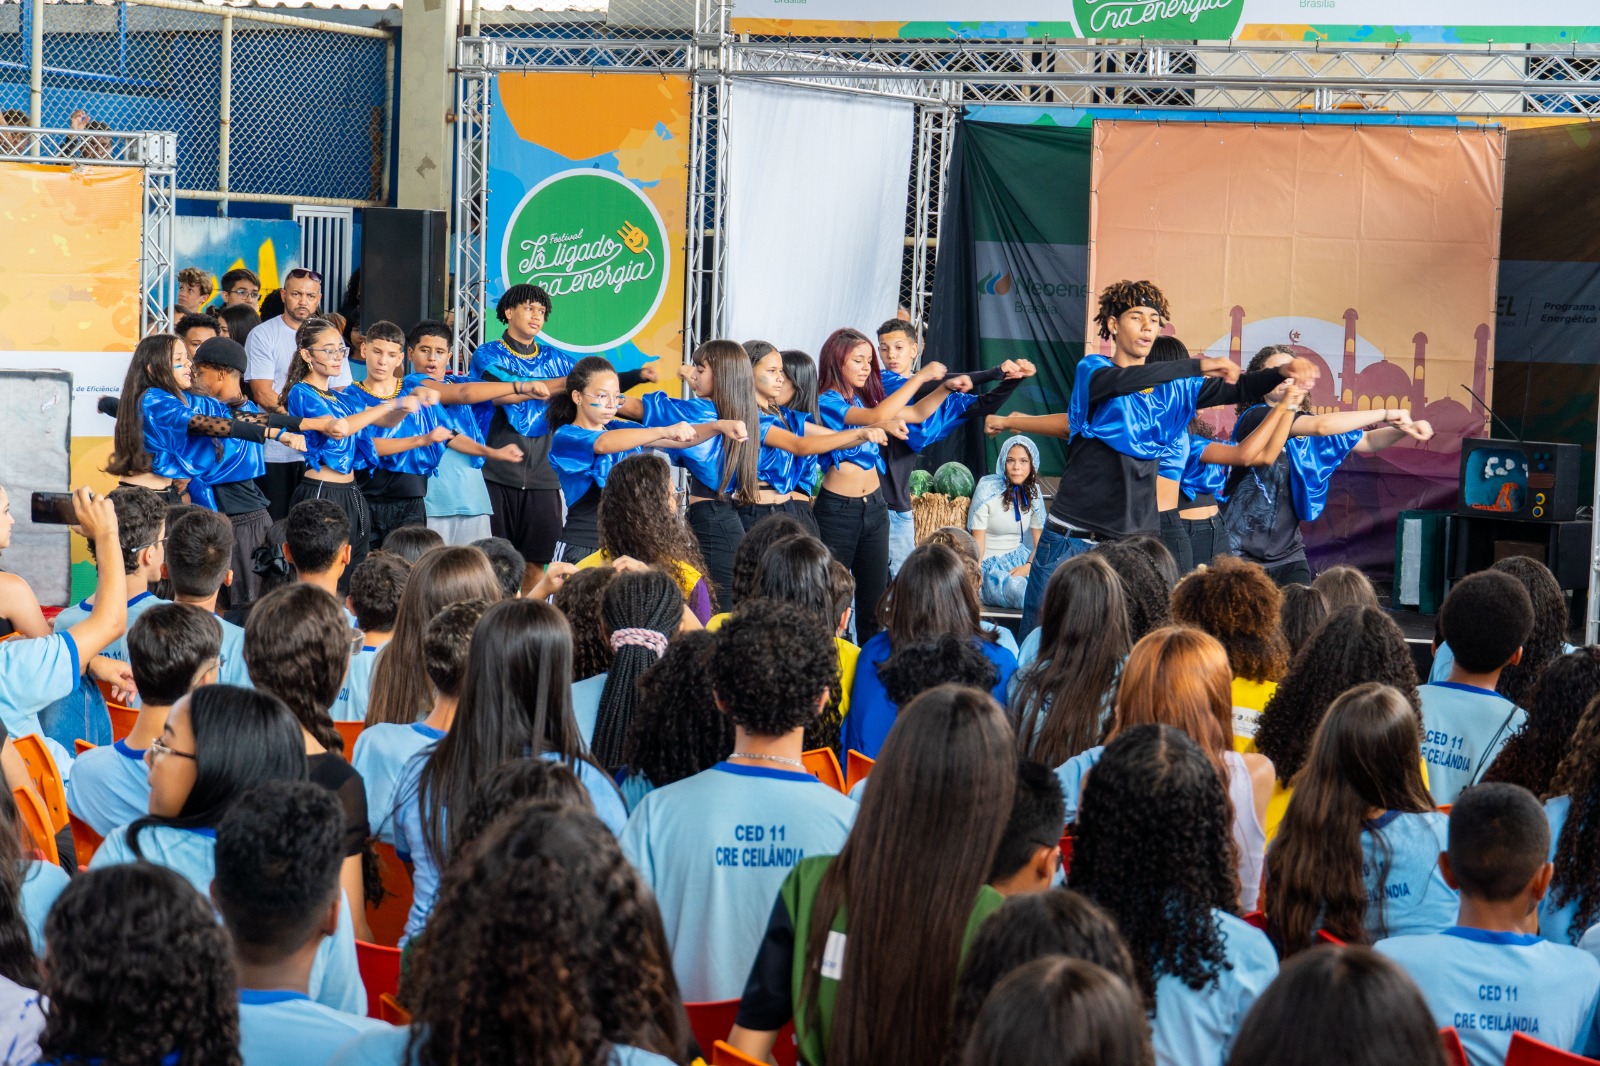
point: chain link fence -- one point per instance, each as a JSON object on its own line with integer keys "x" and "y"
{"x": 264, "y": 106}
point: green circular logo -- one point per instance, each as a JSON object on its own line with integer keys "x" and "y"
{"x": 1192, "y": 20}
{"x": 599, "y": 247}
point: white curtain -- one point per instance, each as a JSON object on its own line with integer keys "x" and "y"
{"x": 817, "y": 189}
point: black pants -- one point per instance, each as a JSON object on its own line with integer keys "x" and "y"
{"x": 717, "y": 527}
{"x": 1291, "y": 572}
{"x": 529, "y": 518}
{"x": 575, "y": 553}
{"x": 348, "y": 499}
{"x": 390, "y": 513}
{"x": 1176, "y": 539}
{"x": 249, "y": 533}
{"x": 856, "y": 530}
{"x": 1202, "y": 536}
{"x": 800, "y": 512}
{"x": 278, "y": 485}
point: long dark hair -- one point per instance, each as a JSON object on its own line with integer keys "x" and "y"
{"x": 930, "y": 597}
{"x": 1058, "y": 1011}
{"x": 1147, "y": 593}
{"x": 563, "y": 409}
{"x": 1151, "y": 847}
{"x": 1083, "y": 639}
{"x": 544, "y": 949}
{"x": 801, "y": 369}
{"x": 1577, "y": 858}
{"x": 733, "y": 392}
{"x": 649, "y": 600}
{"x": 150, "y": 368}
{"x": 941, "y": 792}
{"x": 241, "y": 737}
{"x": 1354, "y": 645}
{"x": 305, "y": 338}
{"x": 1555, "y": 706}
{"x": 297, "y": 646}
{"x": 1549, "y": 631}
{"x": 747, "y": 558}
{"x": 140, "y": 969}
{"x": 579, "y": 599}
{"x": 1364, "y": 758}
{"x": 639, "y": 518}
{"x": 1302, "y": 614}
{"x": 17, "y": 961}
{"x": 401, "y": 692}
{"x": 516, "y": 701}
{"x": 830, "y": 367}
{"x": 677, "y": 730}
{"x": 799, "y": 570}
{"x": 1339, "y": 1006}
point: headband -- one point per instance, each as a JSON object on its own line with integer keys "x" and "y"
{"x": 640, "y": 638}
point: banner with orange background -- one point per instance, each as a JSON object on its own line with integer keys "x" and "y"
{"x": 1370, "y": 249}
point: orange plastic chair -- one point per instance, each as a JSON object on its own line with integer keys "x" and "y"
{"x": 824, "y": 764}
{"x": 349, "y": 731}
{"x": 46, "y": 777}
{"x": 84, "y": 839}
{"x": 388, "y": 920}
{"x": 1526, "y": 1051}
{"x": 723, "y": 1054}
{"x": 36, "y": 818}
{"x": 380, "y": 973}
{"x": 1454, "y": 1053}
{"x": 390, "y": 1010}
{"x": 1446, "y": 808}
{"x": 80, "y": 746}
{"x": 856, "y": 768}
{"x": 122, "y": 719}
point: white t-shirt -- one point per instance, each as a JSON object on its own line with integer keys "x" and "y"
{"x": 269, "y": 350}
{"x": 998, "y": 519}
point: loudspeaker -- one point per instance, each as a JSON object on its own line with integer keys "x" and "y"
{"x": 402, "y": 266}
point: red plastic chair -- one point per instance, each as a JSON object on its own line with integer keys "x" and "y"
{"x": 824, "y": 764}
{"x": 1454, "y": 1053}
{"x": 388, "y": 920}
{"x": 711, "y": 1022}
{"x": 380, "y": 973}
{"x": 1066, "y": 852}
{"x": 46, "y": 777}
{"x": 348, "y": 731}
{"x": 1526, "y": 1051}
{"x": 1257, "y": 919}
{"x": 856, "y": 768}
{"x": 84, "y": 839}
{"x": 36, "y": 819}
{"x": 390, "y": 1010}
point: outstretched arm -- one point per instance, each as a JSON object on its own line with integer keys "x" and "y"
{"x": 1045, "y": 425}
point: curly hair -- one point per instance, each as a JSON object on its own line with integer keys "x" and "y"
{"x": 1555, "y": 706}
{"x": 1151, "y": 847}
{"x": 639, "y": 517}
{"x": 677, "y": 730}
{"x": 944, "y": 660}
{"x": 544, "y": 949}
{"x": 1145, "y": 590}
{"x": 1549, "y": 633}
{"x": 1355, "y": 645}
{"x": 1577, "y": 859}
{"x": 1120, "y": 297}
{"x": 278, "y": 855}
{"x": 376, "y": 584}
{"x": 1027, "y": 927}
{"x": 579, "y": 598}
{"x": 771, "y": 665}
{"x": 139, "y": 970}
{"x": 649, "y": 600}
{"x": 511, "y": 785}
{"x": 1235, "y": 601}
{"x": 747, "y": 557}
{"x": 1259, "y": 362}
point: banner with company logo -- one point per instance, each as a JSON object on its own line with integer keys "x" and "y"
{"x": 588, "y": 197}
{"x": 1370, "y": 250}
{"x": 1409, "y": 21}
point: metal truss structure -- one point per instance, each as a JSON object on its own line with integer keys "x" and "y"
{"x": 156, "y": 156}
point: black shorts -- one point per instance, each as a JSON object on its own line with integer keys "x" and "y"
{"x": 529, "y": 518}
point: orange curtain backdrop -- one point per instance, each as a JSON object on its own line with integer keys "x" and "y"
{"x": 69, "y": 278}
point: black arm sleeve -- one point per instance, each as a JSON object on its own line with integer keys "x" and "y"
{"x": 238, "y": 429}
{"x": 1115, "y": 381}
{"x": 991, "y": 401}
{"x": 767, "y": 1004}
{"x": 278, "y": 420}
{"x": 627, "y": 379}
{"x": 979, "y": 377}
{"x": 1249, "y": 389}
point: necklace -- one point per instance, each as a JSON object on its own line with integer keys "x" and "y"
{"x": 796, "y": 763}
{"x": 391, "y": 396}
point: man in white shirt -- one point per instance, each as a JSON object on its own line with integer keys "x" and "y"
{"x": 269, "y": 351}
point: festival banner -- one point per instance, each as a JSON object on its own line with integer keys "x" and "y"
{"x": 588, "y": 197}
{"x": 1364, "y": 21}
{"x": 1371, "y": 250}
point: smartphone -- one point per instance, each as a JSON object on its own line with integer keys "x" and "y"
{"x": 54, "y": 509}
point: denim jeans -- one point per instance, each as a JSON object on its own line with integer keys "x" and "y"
{"x": 717, "y": 528}
{"x": 1054, "y": 549}
{"x": 1202, "y": 534}
{"x": 1174, "y": 536}
{"x": 856, "y": 530}
{"x": 79, "y": 715}
{"x": 902, "y": 539}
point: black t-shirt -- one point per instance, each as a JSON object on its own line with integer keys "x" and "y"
{"x": 582, "y": 527}
{"x": 1260, "y": 519}
{"x": 334, "y": 774}
{"x": 239, "y": 497}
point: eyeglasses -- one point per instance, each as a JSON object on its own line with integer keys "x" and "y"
{"x": 158, "y": 748}
{"x": 329, "y": 351}
{"x": 251, "y": 293}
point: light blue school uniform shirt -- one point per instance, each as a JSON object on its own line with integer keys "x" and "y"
{"x": 381, "y": 754}
{"x": 1487, "y": 985}
{"x": 1555, "y": 922}
{"x": 192, "y": 853}
{"x": 1193, "y": 1028}
{"x": 1463, "y": 729}
{"x": 110, "y": 786}
{"x": 231, "y": 668}
{"x": 387, "y": 1047}
{"x": 351, "y": 706}
{"x": 1414, "y": 896}
{"x": 715, "y": 848}
{"x": 34, "y": 673}
{"x": 1444, "y": 660}
{"x": 117, "y": 649}
{"x": 41, "y": 884}
{"x": 586, "y": 704}
{"x": 410, "y": 844}
{"x": 1029, "y": 651}
{"x": 279, "y": 1028}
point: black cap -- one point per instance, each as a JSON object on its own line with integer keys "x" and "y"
{"x": 222, "y": 351}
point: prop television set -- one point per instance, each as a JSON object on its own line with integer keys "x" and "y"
{"x": 1529, "y": 480}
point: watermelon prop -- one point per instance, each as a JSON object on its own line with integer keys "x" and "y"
{"x": 816, "y": 482}
{"x": 921, "y": 481}
{"x": 953, "y": 479}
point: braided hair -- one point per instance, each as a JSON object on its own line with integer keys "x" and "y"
{"x": 648, "y": 601}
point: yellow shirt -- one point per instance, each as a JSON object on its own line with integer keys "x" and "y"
{"x": 1249, "y": 700}
{"x": 688, "y": 576}
{"x": 848, "y": 654}
{"x": 1278, "y": 802}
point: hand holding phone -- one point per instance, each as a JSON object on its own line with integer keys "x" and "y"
{"x": 54, "y": 509}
